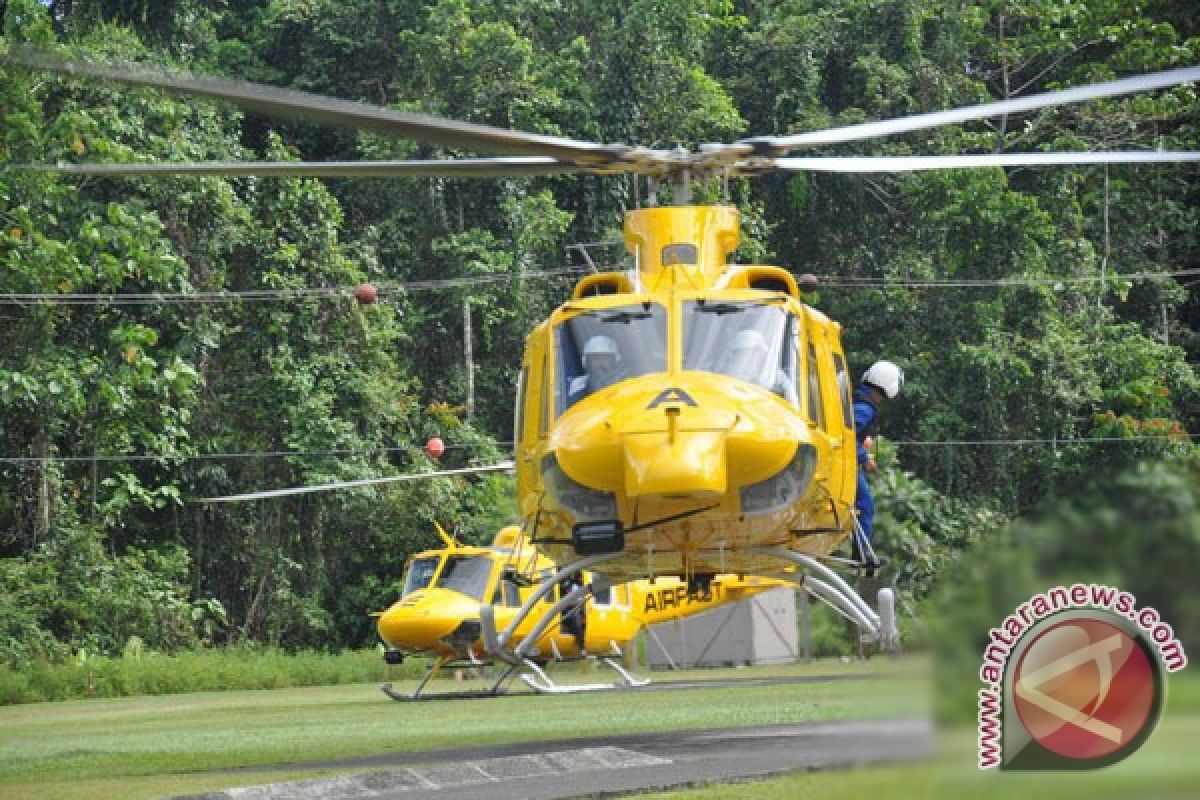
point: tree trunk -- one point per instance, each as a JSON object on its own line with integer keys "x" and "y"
{"x": 41, "y": 521}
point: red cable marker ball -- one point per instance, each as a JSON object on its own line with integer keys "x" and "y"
{"x": 435, "y": 447}
{"x": 366, "y": 293}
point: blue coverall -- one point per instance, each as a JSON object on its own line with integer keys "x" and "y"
{"x": 865, "y": 414}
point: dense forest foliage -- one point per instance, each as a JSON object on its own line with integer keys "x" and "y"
{"x": 1041, "y": 316}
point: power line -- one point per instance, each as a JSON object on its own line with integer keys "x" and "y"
{"x": 265, "y": 454}
{"x": 230, "y": 456}
{"x": 1053, "y": 441}
{"x": 260, "y": 295}
{"x": 300, "y": 293}
{"x": 879, "y": 283}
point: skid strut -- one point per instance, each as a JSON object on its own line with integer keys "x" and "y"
{"x": 498, "y": 644}
{"x": 541, "y": 683}
{"x": 488, "y": 620}
{"x": 825, "y": 584}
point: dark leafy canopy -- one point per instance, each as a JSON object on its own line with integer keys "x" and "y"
{"x": 156, "y": 398}
{"x": 1138, "y": 530}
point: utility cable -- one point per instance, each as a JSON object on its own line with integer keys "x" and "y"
{"x": 260, "y": 295}
{"x": 1019, "y": 442}
{"x": 227, "y": 456}
{"x": 263, "y": 454}
{"x": 879, "y": 283}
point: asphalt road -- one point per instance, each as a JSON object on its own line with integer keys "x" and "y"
{"x": 608, "y": 766}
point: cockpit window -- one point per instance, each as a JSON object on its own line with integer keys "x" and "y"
{"x": 752, "y": 341}
{"x": 598, "y": 348}
{"x": 466, "y": 575}
{"x": 420, "y": 573}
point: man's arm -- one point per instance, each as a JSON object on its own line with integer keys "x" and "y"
{"x": 864, "y": 415}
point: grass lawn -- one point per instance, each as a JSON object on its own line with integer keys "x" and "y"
{"x": 153, "y": 746}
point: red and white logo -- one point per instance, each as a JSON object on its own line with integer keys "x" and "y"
{"x": 1074, "y": 678}
{"x": 1084, "y": 688}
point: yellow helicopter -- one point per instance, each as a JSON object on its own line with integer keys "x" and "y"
{"x": 715, "y": 435}
{"x": 438, "y": 613}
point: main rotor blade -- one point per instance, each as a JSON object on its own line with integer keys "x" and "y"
{"x": 316, "y": 108}
{"x": 449, "y": 168}
{"x": 915, "y": 163}
{"x": 778, "y": 145}
{"x": 503, "y": 466}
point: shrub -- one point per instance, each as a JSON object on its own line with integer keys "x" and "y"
{"x": 147, "y": 672}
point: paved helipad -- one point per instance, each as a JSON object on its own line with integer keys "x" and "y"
{"x": 608, "y": 766}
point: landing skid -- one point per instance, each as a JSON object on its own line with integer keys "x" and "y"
{"x": 497, "y": 688}
{"x": 414, "y": 697}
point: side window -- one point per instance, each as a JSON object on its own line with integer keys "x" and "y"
{"x": 420, "y": 573}
{"x": 816, "y": 407}
{"x": 506, "y": 594}
{"x": 544, "y": 417}
{"x": 787, "y": 381}
{"x": 602, "y": 597}
{"x": 844, "y": 391}
{"x": 519, "y": 411}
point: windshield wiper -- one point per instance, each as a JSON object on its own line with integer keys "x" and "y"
{"x": 732, "y": 307}
{"x": 624, "y": 317}
{"x": 721, "y": 309}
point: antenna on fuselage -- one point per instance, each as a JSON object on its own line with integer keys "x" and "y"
{"x": 683, "y": 189}
{"x": 447, "y": 538}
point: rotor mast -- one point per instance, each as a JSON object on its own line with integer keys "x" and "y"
{"x": 681, "y": 246}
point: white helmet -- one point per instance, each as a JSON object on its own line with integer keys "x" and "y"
{"x": 600, "y": 346}
{"x": 886, "y": 377}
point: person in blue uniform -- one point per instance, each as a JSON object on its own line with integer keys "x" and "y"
{"x": 881, "y": 382}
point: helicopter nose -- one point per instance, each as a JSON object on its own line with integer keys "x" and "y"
{"x": 421, "y": 625}
{"x": 674, "y": 461}
{"x": 697, "y": 436}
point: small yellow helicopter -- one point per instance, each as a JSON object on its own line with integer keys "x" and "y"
{"x": 438, "y": 613}
{"x": 689, "y": 416}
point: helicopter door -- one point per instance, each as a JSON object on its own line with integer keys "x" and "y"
{"x": 832, "y": 413}
{"x": 815, "y": 406}
{"x": 520, "y": 451}
{"x": 848, "y": 461}
{"x": 531, "y": 416}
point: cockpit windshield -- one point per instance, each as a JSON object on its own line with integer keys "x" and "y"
{"x": 751, "y": 341}
{"x": 466, "y": 575}
{"x": 420, "y": 573}
{"x": 598, "y": 348}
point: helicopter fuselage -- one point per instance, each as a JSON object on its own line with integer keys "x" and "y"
{"x": 438, "y": 613}
{"x": 682, "y": 416}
